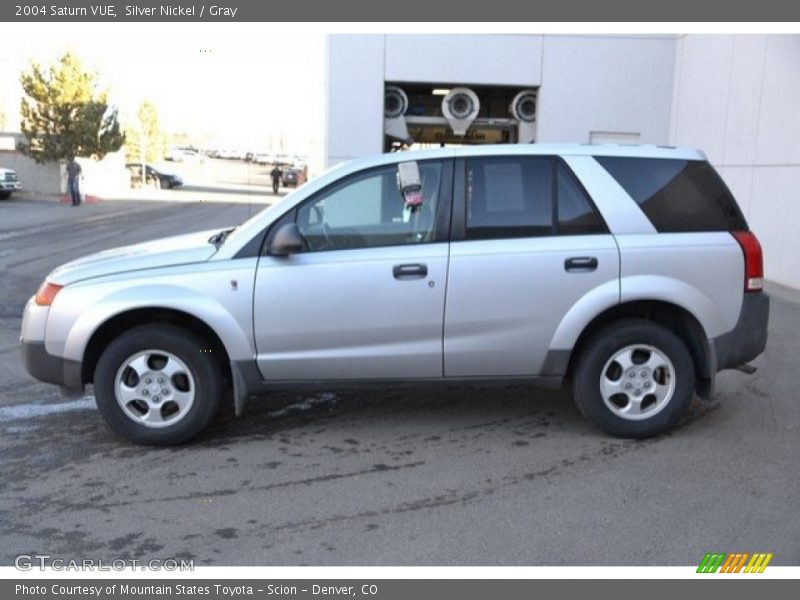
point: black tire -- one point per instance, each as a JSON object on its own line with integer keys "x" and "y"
{"x": 5, "y": 195}
{"x": 598, "y": 352}
{"x": 187, "y": 347}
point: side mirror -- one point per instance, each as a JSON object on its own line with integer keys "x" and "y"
{"x": 287, "y": 240}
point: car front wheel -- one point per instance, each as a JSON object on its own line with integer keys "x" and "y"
{"x": 158, "y": 385}
{"x": 634, "y": 379}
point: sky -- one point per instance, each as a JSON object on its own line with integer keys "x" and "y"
{"x": 237, "y": 86}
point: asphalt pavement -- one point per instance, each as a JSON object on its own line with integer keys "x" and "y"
{"x": 392, "y": 477}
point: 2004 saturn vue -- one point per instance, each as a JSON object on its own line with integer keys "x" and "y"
{"x": 628, "y": 272}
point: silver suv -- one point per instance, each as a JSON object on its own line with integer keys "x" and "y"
{"x": 628, "y": 272}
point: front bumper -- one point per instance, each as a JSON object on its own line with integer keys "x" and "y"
{"x": 48, "y": 368}
{"x": 10, "y": 186}
{"x": 749, "y": 338}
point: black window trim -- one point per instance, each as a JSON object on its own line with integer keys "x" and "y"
{"x": 571, "y": 174}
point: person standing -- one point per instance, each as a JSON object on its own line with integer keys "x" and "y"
{"x": 276, "y": 178}
{"x": 73, "y": 181}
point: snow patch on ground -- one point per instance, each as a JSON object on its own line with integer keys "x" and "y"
{"x": 305, "y": 404}
{"x": 17, "y": 412}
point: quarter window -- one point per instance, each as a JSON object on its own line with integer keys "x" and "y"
{"x": 677, "y": 195}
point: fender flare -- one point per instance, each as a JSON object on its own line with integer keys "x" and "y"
{"x": 159, "y": 296}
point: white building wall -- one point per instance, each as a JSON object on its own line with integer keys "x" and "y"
{"x": 354, "y": 86}
{"x": 737, "y": 98}
{"x": 476, "y": 59}
{"x": 606, "y": 85}
{"x": 106, "y": 178}
{"x": 35, "y": 178}
{"x": 597, "y": 87}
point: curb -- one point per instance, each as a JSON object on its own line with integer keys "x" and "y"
{"x": 65, "y": 199}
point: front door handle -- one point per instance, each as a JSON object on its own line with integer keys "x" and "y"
{"x": 412, "y": 271}
{"x": 580, "y": 263}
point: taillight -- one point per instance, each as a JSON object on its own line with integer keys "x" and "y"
{"x": 753, "y": 260}
{"x": 47, "y": 293}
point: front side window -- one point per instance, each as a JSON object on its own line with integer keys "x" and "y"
{"x": 369, "y": 210}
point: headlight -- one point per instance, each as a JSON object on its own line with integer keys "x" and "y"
{"x": 47, "y": 293}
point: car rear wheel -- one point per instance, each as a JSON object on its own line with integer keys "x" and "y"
{"x": 156, "y": 385}
{"x": 634, "y": 379}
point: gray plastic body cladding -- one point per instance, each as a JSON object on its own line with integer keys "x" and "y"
{"x": 749, "y": 338}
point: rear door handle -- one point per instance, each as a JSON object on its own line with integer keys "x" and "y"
{"x": 580, "y": 263}
{"x": 412, "y": 271}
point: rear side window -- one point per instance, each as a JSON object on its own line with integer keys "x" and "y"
{"x": 509, "y": 196}
{"x": 677, "y": 195}
{"x": 523, "y": 196}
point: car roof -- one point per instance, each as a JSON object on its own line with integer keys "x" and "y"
{"x": 620, "y": 150}
{"x": 626, "y": 150}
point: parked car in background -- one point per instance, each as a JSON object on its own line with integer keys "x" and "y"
{"x": 289, "y": 177}
{"x": 184, "y": 155}
{"x": 628, "y": 272}
{"x": 9, "y": 182}
{"x": 153, "y": 177}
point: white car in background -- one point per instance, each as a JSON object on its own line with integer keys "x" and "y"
{"x": 9, "y": 182}
{"x": 184, "y": 155}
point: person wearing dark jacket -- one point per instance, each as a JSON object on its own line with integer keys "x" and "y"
{"x": 74, "y": 171}
{"x": 276, "y": 178}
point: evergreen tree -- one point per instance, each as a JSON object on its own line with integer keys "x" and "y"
{"x": 65, "y": 115}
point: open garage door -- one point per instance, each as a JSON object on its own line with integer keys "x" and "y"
{"x": 426, "y": 114}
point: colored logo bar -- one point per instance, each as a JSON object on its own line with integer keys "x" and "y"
{"x": 734, "y": 563}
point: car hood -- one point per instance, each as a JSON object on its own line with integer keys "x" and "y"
{"x": 166, "y": 252}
